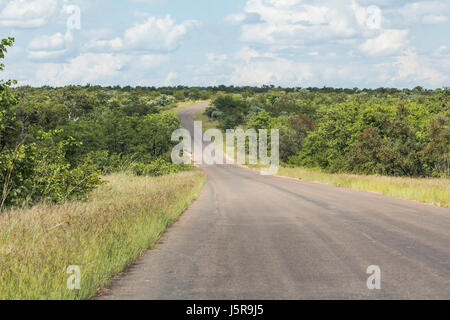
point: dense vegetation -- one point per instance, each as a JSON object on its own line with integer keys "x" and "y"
{"x": 383, "y": 131}
{"x": 55, "y": 142}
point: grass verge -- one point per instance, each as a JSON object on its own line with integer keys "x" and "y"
{"x": 122, "y": 219}
{"x": 428, "y": 190}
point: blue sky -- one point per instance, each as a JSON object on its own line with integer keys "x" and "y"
{"x": 339, "y": 43}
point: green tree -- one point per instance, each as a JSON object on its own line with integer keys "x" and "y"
{"x": 33, "y": 166}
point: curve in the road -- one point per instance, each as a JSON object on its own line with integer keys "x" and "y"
{"x": 256, "y": 237}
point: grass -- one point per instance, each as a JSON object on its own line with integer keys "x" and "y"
{"x": 185, "y": 105}
{"x": 122, "y": 219}
{"x": 428, "y": 190}
{"x": 208, "y": 123}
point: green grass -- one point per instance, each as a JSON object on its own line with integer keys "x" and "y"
{"x": 104, "y": 235}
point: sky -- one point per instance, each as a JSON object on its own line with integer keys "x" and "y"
{"x": 295, "y": 43}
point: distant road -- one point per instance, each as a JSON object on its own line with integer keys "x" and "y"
{"x": 255, "y": 237}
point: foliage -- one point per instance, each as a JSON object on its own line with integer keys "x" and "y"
{"x": 55, "y": 142}
{"x": 232, "y": 108}
{"x": 39, "y": 172}
{"x": 381, "y": 131}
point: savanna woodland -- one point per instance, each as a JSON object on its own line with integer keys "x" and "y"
{"x": 382, "y": 131}
{"x": 56, "y": 142}
{"x": 84, "y": 165}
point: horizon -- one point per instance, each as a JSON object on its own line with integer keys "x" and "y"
{"x": 243, "y": 87}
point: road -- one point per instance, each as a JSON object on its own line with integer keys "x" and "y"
{"x": 260, "y": 237}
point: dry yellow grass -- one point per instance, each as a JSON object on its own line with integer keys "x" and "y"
{"x": 434, "y": 191}
{"x": 121, "y": 220}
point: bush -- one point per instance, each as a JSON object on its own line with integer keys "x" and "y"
{"x": 217, "y": 115}
{"x": 233, "y": 110}
{"x": 210, "y": 110}
{"x": 39, "y": 172}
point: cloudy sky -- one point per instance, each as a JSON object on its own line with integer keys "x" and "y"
{"x": 339, "y": 43}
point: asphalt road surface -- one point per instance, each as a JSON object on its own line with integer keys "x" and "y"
{"x": 257, "y": 237}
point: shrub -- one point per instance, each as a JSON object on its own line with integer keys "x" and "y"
{"x": 210, "y": 110}
{"x": 217, "y": 115}
{"x": 39, "y": 172}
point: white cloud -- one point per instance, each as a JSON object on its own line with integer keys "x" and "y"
{"x": 246, "y": 54}
{"x": 101, "y": 68}
{"x": 92, "y": 68}
{"x": 49, "y": 47}
{"x": 150, "y": 61}
{"x": 45, "y": 55}
{"x": 442, "y": 51}
{"x": 427, "y": 12}
{"x": 157, "y": 34}
{"x": 416, "y": 69}
{"x": 387, "y": 43}
{"x": 153, "y": 35}
{"x": 279, "y": 70}
{"x": 289, "y": 20}
{"x": 27, "y": 13}
{"x": 53, "y": 42}
{"x": 434, "y": 19}
{"x": 216, "y": 59}
{"x": 169, "y": 78}
{"x": 235, "y": 18}
{"x": 285, "y": 42}
{"x": 294, "y": 22}
{"x": 115, "y": 44}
